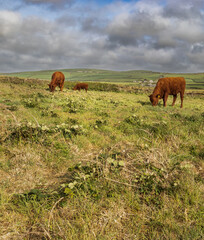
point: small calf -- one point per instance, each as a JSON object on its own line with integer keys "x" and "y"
{"x": 80, "y": 86}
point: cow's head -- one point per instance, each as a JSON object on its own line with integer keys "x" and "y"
{"x": 154, "y": 99}
{"x": 51, "y": 87}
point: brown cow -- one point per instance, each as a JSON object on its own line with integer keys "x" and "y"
{"x": 57, "y": 80}
{"x": 168, "y": 86}
{"x": 80, "y": 86}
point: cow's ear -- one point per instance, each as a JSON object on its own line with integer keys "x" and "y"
{"x": 158, "y": 96}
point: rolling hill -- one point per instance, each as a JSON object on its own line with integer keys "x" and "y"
{"x": 194, "y": 80}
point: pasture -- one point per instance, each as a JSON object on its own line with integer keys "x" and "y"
{"x": 136, "y": 77}
{"x": 99, "y": 165}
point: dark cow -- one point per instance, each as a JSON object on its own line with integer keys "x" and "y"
{"x": 168, "y": 86}
{"x": 80, "y": 86}
{"x": 57, "y": 80}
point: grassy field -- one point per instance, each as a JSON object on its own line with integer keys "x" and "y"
{"x": 194, "y": 81}
{"x": 99, "y": 165}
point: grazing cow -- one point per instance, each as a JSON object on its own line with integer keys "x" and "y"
{"x": 57, "y": 80}
{"x": 80, "y": 86}
{"x": 168, "y": 86}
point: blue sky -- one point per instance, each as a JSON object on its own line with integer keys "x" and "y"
{"x": 166, "y": 36}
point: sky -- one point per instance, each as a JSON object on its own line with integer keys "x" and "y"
{"x": 156, "y": 35}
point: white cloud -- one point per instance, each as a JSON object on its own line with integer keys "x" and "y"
{"x": 121, "y": 35}
{"x": 9, "y": 23}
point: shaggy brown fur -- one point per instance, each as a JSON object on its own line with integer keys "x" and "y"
{"x": 168, "y": 86}
{"x": 57, "y": 80}
{"x": 80, "y": 86}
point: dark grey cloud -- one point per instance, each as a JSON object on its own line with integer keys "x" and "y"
{"x": 61, "y": 2}
{"x": 53, "y": 4}
{"x": 133, "y": 28}
{"x": 145, "y": 23}
{"x": 197, "y": 48}
{"x": 90, "y": 19}
{"x": 118, "y": 36}
{"x": 45, "y": 1}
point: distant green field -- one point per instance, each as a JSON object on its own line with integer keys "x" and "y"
{"x": 194, "y": 80}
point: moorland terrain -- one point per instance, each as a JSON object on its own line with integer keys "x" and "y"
{"x": 103, "y": 164}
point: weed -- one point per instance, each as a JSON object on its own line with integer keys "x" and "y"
{"x": 69, "y": 131}
{"x": 31, "y": 102}
{"x": 73, "y": 105}
{"x": 28, "y": 131}
{"x": 99, "y": 123}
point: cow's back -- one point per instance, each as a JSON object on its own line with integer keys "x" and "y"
{"x": 83, "y": 85}
{"x": 172, "y": 85}
{"x": 58, "y": 77}
{"x": 79, "y": 86}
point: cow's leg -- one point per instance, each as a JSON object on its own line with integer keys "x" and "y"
{"x": 181, "y": 95}
{"x": 174, "y": 99}
{"x": 61, "y": 86}
{"x": 165, "y": 99}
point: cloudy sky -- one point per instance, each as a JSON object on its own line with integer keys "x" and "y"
{"x": 157, "y": 35}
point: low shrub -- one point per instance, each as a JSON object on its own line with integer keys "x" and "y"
{"x": 28, "y": 131}
{"x": 73, "y": 105}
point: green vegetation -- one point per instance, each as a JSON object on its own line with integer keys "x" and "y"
{"x": 99, "y": 165}
{"x": 194, "y": 80}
